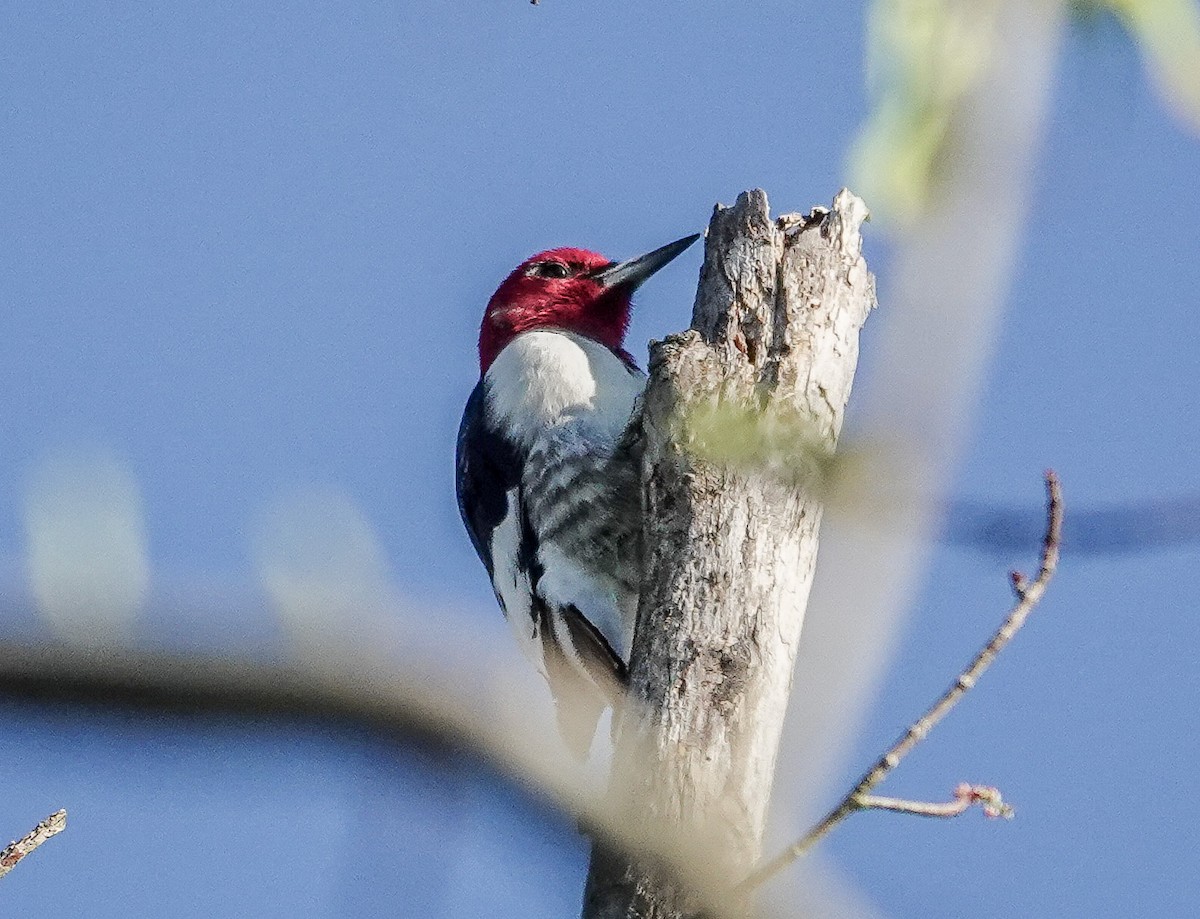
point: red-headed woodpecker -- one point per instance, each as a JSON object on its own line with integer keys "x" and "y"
{"x": 549, "y": 502}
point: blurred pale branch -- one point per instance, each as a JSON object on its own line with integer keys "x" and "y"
{"x": 925, "y": 57}
{"x": 949, "y": 277}
{"x": 11, "y": 854}
{"x": 1028, "y": 594}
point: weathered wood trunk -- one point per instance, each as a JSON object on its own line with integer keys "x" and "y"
{"x": 729, "y": 548}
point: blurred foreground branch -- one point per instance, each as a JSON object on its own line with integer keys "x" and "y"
{"x": 453, "y": 702}
{"x": 15, "y": 851}
{"x": 859, "y": 797}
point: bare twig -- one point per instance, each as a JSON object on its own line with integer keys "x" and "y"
{"x": 965, "y": 796}
{"x": 1028, "y": 594}
{"x": 15, "y": 851}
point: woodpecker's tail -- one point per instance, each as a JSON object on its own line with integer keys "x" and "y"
{"x": 579, "y": 709}
{"x": 585, "y": 675}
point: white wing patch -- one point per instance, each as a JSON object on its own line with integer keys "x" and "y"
{"x": 563, "y": 583}
{"x": 511, "y": 584}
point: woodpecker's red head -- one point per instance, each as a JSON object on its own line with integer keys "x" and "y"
{"x": 571, "y": 289}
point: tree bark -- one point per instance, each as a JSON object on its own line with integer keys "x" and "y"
{"x": 729, "y": 549}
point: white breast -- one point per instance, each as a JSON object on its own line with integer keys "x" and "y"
{"x": 545, "y": 377}
{"x": 556, "y": 393}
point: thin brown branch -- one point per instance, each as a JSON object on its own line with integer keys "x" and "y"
{"x": 965, "y": 796}
{"x": 15, "y": 851}
{"x": 1028, "y": 594}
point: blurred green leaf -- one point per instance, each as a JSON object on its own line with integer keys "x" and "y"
{"x": 924, "y": 57}
{"x": 774, "y": 441}
{"x": 1168, "y": 34}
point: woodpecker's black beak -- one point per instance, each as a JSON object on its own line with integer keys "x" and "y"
{"x": 633, "y": 272}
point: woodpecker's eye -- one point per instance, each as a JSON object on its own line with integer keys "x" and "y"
{"x": 549, "y": 270}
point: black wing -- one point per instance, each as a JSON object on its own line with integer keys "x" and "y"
{"x": 488, "y": 466}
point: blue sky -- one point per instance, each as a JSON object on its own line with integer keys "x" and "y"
{"x": 245, "y": 254}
